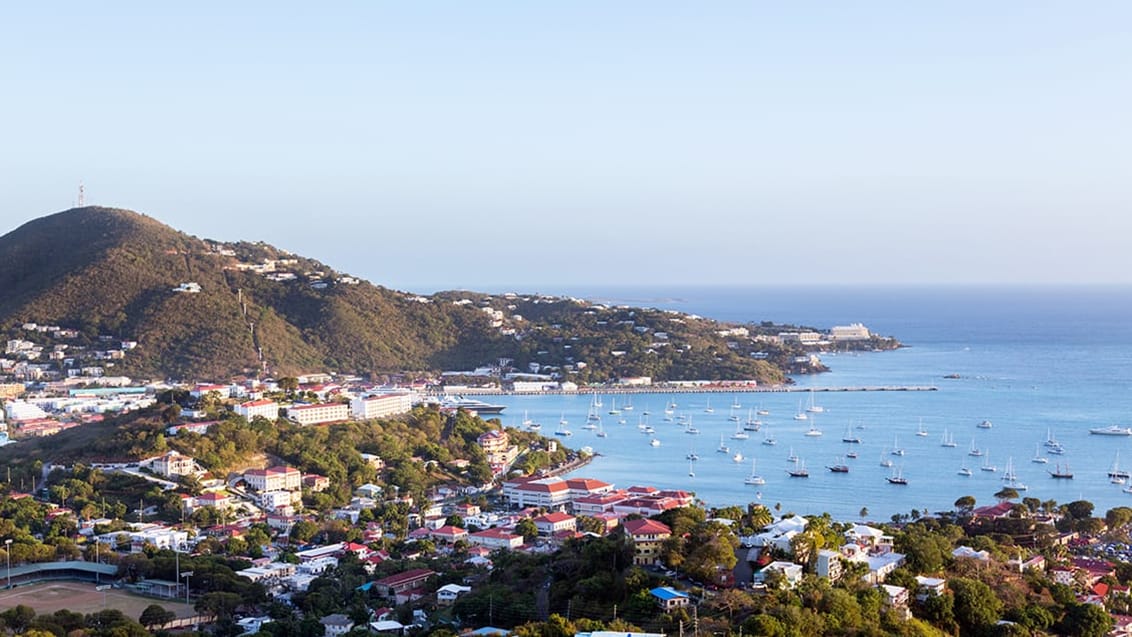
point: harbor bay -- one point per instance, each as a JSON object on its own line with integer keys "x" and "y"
{"x": 1013, "y": 370}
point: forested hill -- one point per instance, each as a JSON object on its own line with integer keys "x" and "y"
{"x": 113, "y": 275}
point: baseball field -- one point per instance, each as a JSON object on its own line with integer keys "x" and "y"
{"x": 82, "y": 597}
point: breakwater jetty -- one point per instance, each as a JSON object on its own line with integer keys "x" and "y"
{"x": 681, "y": 389}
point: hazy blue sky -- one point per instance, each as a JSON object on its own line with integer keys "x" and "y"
{"x": 465, "y": 144}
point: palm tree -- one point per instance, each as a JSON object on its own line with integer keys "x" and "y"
{"x": 760, "y": 516}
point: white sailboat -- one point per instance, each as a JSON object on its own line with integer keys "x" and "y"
{"x": 733, "y": 417}
{"x": 601, "y": 431}
{"x": 896, "y": 449}
{"x": 737, "y": 457}
{"x": 987, "y": 466}
{"x": 1038, "y": 457}
{"x": 735, "y": 402}
{"x": 801, "y": 415}
{"x": 921, "y": 431}
{"x": 948, "y": 439}
{"x": 692, "y": 455}
{"x": 975, "y": 451}
{"x": 1008, "y": 475}
{"x": 754, "y": 478}
{"x": 964, "y": 471}
{"x": 613, "y": 410}
{"x": 593, "y": 415}
{"x": 884, "y": 461}
{"x": 723, "y": 448}
{"x": 689, "y": 429}
{"x": 739, "y": 433}
{"x": 708, "y": 409}
{"x": 752, "y": 424}
{"x": 762, "y": 412}
{"x": 1116, "y": 475}
{"x": 768, "y": 438}
{"x": 691, "y": 472}
{"x": 793, "y": 457}
{"x": 814, "y": 432}
{"x": 628, "y": 406}
{"x": 813, "y": 408}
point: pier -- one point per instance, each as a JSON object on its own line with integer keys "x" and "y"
{"x": 670, "y": 389}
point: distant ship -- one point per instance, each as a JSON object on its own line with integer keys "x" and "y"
{"x": 1111, "y": 430}
{"x": 471, "y": 404}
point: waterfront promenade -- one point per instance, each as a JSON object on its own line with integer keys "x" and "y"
{"x": 680, "y": 389}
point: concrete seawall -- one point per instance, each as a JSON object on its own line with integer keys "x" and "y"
{"x": 660, "y": 389}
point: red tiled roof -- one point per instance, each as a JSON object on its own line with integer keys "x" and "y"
{"x": 646, "y": 527}
{"x": 407, "y": 576}
{"x": 555, "y": 517}
{"x": 495, "y": 533}
{"x": 450, "y": 530}
{"x": 589, "y": 484}
{"x": 257, "y": 403}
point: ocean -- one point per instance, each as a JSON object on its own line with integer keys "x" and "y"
{"x": 1036, "y": 362}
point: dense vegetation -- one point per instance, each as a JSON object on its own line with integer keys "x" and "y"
{"x": 110, "y": 273}
{"x": 417, "y": 449}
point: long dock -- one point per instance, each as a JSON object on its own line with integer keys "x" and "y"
{"x": 663, "y": 389}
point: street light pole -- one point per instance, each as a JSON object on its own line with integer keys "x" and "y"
{"x": 187, "y": 575}
{"x": 8, "y": 554}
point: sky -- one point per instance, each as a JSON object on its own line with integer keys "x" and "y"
{"x": 435, "y": 145}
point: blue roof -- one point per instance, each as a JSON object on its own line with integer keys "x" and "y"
{"x": 667, "y": 592}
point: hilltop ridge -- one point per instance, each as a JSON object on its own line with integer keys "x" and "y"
{"x": 200, "y": 308}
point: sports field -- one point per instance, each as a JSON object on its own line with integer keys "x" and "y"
{"x": 82, "y": 597}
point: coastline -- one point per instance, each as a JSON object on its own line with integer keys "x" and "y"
{"x": 662, "y": 389}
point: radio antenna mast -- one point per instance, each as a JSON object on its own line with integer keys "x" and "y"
{"x": 82, "y": 195}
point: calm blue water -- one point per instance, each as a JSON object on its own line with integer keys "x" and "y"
{"x": 1031, "y": 360}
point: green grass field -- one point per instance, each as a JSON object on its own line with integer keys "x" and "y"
{"x": 82, "y": 597}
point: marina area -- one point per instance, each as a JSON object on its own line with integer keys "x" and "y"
{"x": 662, "y": 389}
{"x": 1036, "y": 383}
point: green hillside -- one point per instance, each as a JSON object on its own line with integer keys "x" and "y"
{"x": 111, "y": 274}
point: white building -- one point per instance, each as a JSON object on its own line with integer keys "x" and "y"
{"x": 21, "y": 410}
{"x": 852, "y": 332}
{"x": 496, "y": 539}
{"x": 277, "y": 501}
{"x": 789, "y": 570}
{"x": 173, "y": 464}
{"x": 274, "y": 479}
{"x": 446, "y": 595}
{"x": 381, "y": 406}
{"x": 268, "y": 409}
{"x": 336, "y": 625}
{"x": 319, "y": 414}
{"x": 545, "y": 492}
